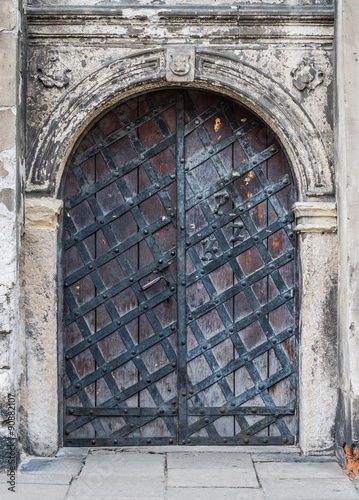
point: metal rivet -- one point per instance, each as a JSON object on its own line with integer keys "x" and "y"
{"x": 285, "y": 440}
{"x": 115, "y": 441}
{"x": 287, "y": 296}
{"x": 203, "y": 272}
{"x": 202, "y": 412}
{"x": 76, "y": 238}
{"x": 289, "y": 255}
{"x": 67, "y": 356}
{"x": 241, "y": 209}
{"x": 102, "y": 221}
{"x": 172, "y": 176}
{"x": 211, "y": 151}
{"x": 183, "y": 342}
{"x": 214, "y": 226}
{"x": 89, "y": 341}
{"x": 142, "y": 157}
{"x": 145, "y": 231}
{"x": 184, "y": 441}
{"x": 133, "y": 352}
{"x": 128, "y": 127}
{"x": 196, "y": 122}
{"x": 290, "y": 330}
{"x": 186, "y": 168}
{"x": 91, "y": 412}
{"x": 117, "y": 250}
{"x": 172, "y": 288}
{"x": 274, "y": 341}
{"x": 191, "y": 391}
{"x": 225, "y": 440}
{"x": 256, "y": 238}
{"x": 104, "y": 296}
{"x": 291, "y": 235}
{"x": 118, "y": 322}
{"x": 246, "y": 440}
{"x": 93, "y": 442}
{"x": 261, "y": 386}
{"x": 254, "y": 162}
{"x": 206, "y": 420}
{"x": 233, "y": 403}
{"x": 76, "y": 314}
{"x": 222, "y": 410}
{"x": 125, "y": 411}
{"x": 269, "y": 191}
{"x": 183, "y": 283}
{"x": 174, "y": 364}
{"x": 90, "y": 267}
{"x": 292, "y": 410}
{"x": 77, "y": 386}
{"x": 265, "y": 440}
{"x": 182, "y": 228}
{"x": 160, "y": 261}
{"x": 131, "y": 280}
{"x": 104, "y": 369}
{"x": 148, "y": 441}
{"x": 130, "y": 203}
{"x": 173, "y": 327}
{"x": 258, "y": 314}
{"x": 245, "y": 358}
{"x": 66, "y": 284}
{"x": 190, "y": 316}
{"x": 229, "y": 254}
{"x": 205, "y": 347}
{"x": 67, "y": 432}
{"x": 219, "y": 375}
{"x": 254, "y": 410}
{"x": 188, "y": 440}
{"x": 248, "y": 433}
{"x": 145, "y": 306}
{"x": 170, "y": 441}
{"x": 231, "y": 329}
{"x": 184, "y": 393}
{"x": 182, "y": 160}
{"x": 157, "y": 186}
{"x": 173, "y": 253}
{"x": 132, "y": 426}
{"x": 71, "y": 411}
{"x": 216, "y": 301}
{"x": 118, "y": 398}
{"x": 244, "y": 283}
{"x": 148, "y": 379}
{"x": 199, "y": 196}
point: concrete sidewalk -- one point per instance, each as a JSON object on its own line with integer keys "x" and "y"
{"x": 181, "y": 473}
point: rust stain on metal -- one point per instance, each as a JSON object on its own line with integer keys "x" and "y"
{"x": 217, "y": 125}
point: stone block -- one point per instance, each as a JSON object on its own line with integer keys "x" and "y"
{"x": 284, "y": 470}
{"x": 7, "y": 126}
{"x": 212, "y": 478}
{"x": 35, "y": 492}
{"x": 8, "y": 74}
{"x": 125, "y": 465}
{"x": 53, "y": 466}
{"x": 96, "y": 487}
{"x": 7, "y": 15}
{"x": 308, "y": 489}
{"x": 211, "y": 460}
{"x": 214, "y": 494}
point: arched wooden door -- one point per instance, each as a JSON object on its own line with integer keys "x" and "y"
{"x": 179, "y": 278}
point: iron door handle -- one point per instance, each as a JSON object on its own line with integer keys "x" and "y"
{"x": 153, "y": 282}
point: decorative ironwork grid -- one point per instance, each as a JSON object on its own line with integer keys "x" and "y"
{"x": 179, "y": 310}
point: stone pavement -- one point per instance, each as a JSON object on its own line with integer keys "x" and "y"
{"x": 181, "y": 473}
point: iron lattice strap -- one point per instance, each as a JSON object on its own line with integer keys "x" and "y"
{"x": 179, "y": 278}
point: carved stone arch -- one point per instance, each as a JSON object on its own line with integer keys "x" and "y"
{"x": 145, "y": 71}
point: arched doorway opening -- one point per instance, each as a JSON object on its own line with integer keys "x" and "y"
{"x": 179, "y": 277}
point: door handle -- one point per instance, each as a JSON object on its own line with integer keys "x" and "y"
{"x": 153, "y": 282}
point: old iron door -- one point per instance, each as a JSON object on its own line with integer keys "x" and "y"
{"x": 179, "y": 311}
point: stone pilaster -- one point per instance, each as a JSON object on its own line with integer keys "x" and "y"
{"x": 39, "y": 299}
{"x": 318, "y": 257}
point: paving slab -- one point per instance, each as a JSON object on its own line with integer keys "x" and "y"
{"x": 207, "y": 460}
{"x": 125, "y": 465}
{"x": 284, "y": 470}
{"x": 107, "y": 487}
{"x": 288, "y": 457}
{"x": 214, "y": 494}
{"x": 308, "y": 489}
{"x": 72, "y": 452}
{"x": 34, "y": 492}
{"x": 212, "y": 478}
{"x": 38, "y": 479}
{"x": 203, "y": 449}
{"x": 53, "y": 466}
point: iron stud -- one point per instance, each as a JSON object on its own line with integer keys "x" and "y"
{"x": 71, "y": 411}
{"x": 148, "y": 380}
{"x": 184, "y": 393}
{"x": 125, "y": 411}
{"x": 148, "y": 441}
{"x": 225, "y": 440}
{"x": 254, "y": 410}
{"x": 233, "y": 403}
{"x": 131, "y": 280}
{"x": 104, "y": 369}
{"x": 102, "y": 221}
{"x": 245, "y": 358}
{"x": 261, "y": 386}
{"x": 246, "y": 440}
{"x": 173, "y": 327}
{"x": 206, "y": 420}
{"x": 231, "y": 329}
{"x": 160, "y": 334}
{"x": 188, "y": 440}
{"x": 157, "y": 186}
{"x": 172, "y": 288}
{"x": 90, "y": 267}
{"x": 67, "y": 356}
{"x": 199, "y": 196}
{"x": 285, "y": 440}
{"x": 133, "y": 352}
{"x": 265, "y": 440}
{"x": 290, "y": 330}
{"x": 174, "y": 412}
{"x": 132, "y": 426}
{"x": 196, "y": 122}
{"x": 118, "y": 322}
{"x": 115, "y": 441}
{"x": 145, "y": 307}
{"x": 104, "y": 296}
{"x": 76, "y": 238}
{"x": 248, "y": 433}
{"x": 89, "y": 341}
{"x": 183, "y": 283}
{"x": 118, "y": 398}
{"x": 174, "y": 364}
{"x": 183, "y": 342}
{"x": 182, "y": 160}
{"x": 145, "y": 231}
{"x": 117, "y": 250}
{"x": 67, "y": 432}
{"x": 77, "y": 386}
{"x": 222, "y": 410}
{"x": 93, "y": 442}
{"x": 91, "y": 412}
{"x": 172, "y": 176}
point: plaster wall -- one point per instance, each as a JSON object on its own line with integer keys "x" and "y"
{"x": 10, "y": 208}
{"x": 347, "y": 151}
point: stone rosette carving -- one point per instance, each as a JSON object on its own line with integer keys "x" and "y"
{"x": 307, "y": 76}
{"x": 53, "y": 72}
{"x": 180, "y": 64}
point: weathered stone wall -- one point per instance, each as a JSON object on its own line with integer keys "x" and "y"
{"x": 347, "y": 154}
{"x": 235, "y": 5}
{"x": 10, "y": 207}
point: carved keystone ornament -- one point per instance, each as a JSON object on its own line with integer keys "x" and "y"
{"x": 180, "y": 63}
{"x": 306, "y": 76}
{"x": 53, "y": 72}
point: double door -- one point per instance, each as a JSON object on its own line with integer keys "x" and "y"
{"x": 179, "y": 278}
